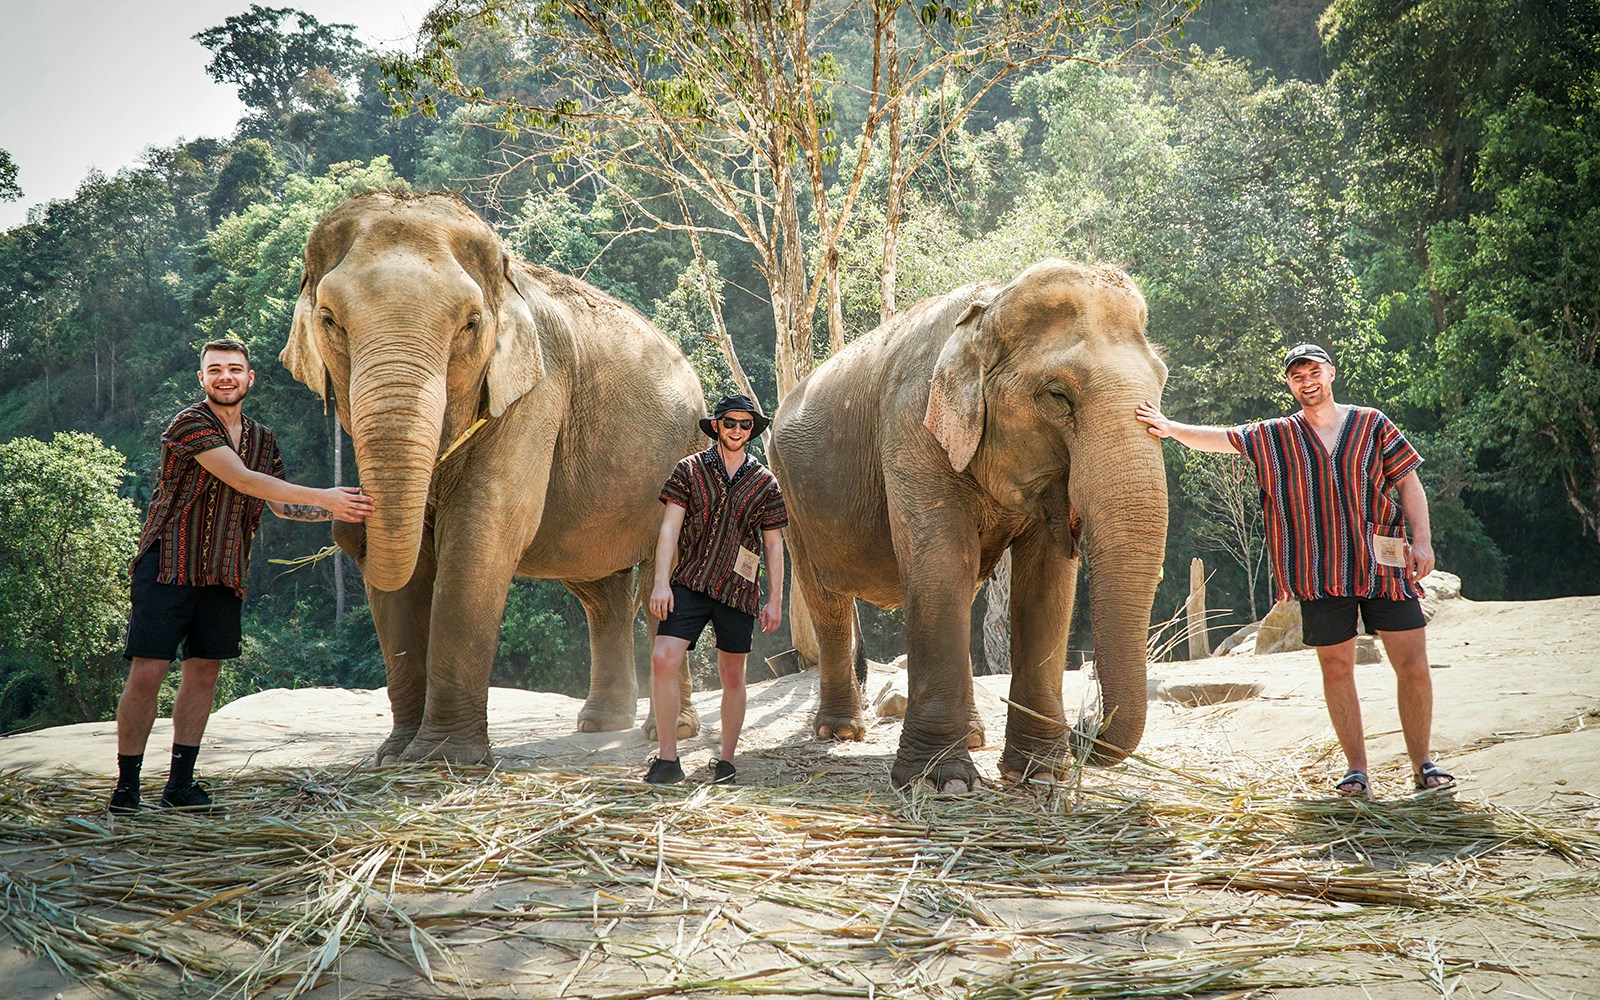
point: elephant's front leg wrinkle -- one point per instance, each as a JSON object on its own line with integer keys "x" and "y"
{"x": 401, "y": 619}
{"x": 933, "y": 742}
{"x": 839, "y": 712}
{"x": 1044, "y": 583}
{"x": 613, "y": 701}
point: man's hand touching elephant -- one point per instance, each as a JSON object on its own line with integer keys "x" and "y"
{"x": 1153, "y": 419}
{"x": 347, "y": 503}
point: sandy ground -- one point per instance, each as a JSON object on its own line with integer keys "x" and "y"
{"x": 1517, "y": 719}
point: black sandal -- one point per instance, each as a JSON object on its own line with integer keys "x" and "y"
{"x": 1353, "y": 778}
{"x": 1432, "y": 770}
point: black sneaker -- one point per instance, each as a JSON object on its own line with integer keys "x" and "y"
{"x": 724, "y": 772}
{"x": 664, "y": 772}
{"x": 124, "y": 800}
{"x": 190, "y": 797}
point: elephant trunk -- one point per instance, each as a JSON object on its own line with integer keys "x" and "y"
{"x": 397, "y": 411}
{"x": 1125, "y": 542}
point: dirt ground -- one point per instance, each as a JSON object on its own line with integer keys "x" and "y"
{"x": 1517, "y": 719}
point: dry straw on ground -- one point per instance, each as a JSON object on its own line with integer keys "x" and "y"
{"x": 1221, "y": 878}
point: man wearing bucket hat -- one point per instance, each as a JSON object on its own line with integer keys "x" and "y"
{"x": 723, "y": 519}
{"x": 1336, "y": 534}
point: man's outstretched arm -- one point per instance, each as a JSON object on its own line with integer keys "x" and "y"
{"x": 1194, "y": 436}
{"x": 339, "y": 503}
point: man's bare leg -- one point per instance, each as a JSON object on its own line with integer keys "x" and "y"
{"x": 136, "y": 709}
{"x": 1408, "y": 654}
{"x": 1344, "y": 705}
{"x": 666, "y": 659}
{"x": 730, "y": 666}
{"x": 196, "y": 693}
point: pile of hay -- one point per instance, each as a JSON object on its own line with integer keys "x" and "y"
{"x": 1138, "y": 881}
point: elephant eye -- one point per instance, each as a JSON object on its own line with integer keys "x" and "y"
{"x": 327, "y": 320}
{"x": 1055, "y": 402}
{"x": 473, "y": 322}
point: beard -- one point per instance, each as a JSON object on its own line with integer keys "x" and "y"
{"x": 241, "y": 390}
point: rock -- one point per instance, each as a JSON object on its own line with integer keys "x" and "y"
{"x": 891, "y": 701}
{"x": 1437, "y": 587}
{"x": 1367, "y": 650}
{"x": 1239, "y": 641}
{"x": 1280, "y": 630}
{"x": 1197, "y": 695}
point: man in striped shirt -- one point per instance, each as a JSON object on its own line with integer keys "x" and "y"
{"x": 722, "y": 505}
{"x": 1336, "y": 537}
{"x": 218, "y": 469}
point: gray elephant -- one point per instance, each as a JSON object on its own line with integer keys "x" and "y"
{"x": 508, "y": 421}
{"x": 991, "y": 417}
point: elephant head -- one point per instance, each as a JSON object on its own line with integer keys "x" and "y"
{"x": 1033, "y": 393}
{"x": 411, "y": 314}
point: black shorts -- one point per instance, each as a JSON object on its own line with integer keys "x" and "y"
{"x": 205, "y": 620}
{"x": 691, "y": 610}
{"x": 1328, "y": 621}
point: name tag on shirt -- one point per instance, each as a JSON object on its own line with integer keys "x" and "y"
{"x": 1388, "y": 550}
{"x": 746, "y": 564}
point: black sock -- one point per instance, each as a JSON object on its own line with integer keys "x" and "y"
{"x": 183, "y": 759}
{"x": 128, "y": 765}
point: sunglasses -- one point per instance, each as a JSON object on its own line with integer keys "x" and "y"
{"x": 730, "y": 423}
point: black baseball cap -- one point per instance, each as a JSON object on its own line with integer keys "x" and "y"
{"x": 1304, "y": 352}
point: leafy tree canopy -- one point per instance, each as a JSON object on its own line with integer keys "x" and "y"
{"x": 270, "y": 64}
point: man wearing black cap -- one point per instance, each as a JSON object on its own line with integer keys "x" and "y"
{"x": 723, "y": 507}
{"x": 1336, "y": 535}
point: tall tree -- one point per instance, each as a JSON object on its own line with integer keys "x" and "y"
{"x": 9, "y": 189}
{"x": 268, "y": 62}
{"x": 727, "y": 113}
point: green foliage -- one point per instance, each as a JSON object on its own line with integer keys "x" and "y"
{"x": 9, "y": 189}
{"x": 301, "y": 647}
{"x": 270, "y": 64}
{"x": 66, "y": 538}
{"x": 543, "y": 642}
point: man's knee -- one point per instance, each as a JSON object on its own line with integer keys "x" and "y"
{"x": 145, "y": 676}
{"x": 666, "y": 660}
{"x": 201, "y": 671}
{"x": 731, "y": 671}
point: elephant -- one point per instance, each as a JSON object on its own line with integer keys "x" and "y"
{"x": 508, "y": 421}
{"x": 992, "y": 417}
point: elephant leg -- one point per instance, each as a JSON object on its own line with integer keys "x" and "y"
{"x": 836, "y": 627}
{"x": 1044, "y": 581}
{"x": 401, "y": 618}
{"x": 939, "y": 564}
{"x": 613, "y": 700}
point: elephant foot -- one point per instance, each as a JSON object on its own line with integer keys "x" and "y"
{"x": 389, "y": 751}
{"x": 598, "y": 717}
{"x": 446, "y": 750}
{"x": 688, "y": 724}
{"x": 951, "y": 773}
{"x": 1017, "y": 766}
{"x": 829, "y": 726}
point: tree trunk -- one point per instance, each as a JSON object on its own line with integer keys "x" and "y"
{"x": 1195, "y": 611}
{"x": 997, "y": 617}
{"x": 891, "y": 206}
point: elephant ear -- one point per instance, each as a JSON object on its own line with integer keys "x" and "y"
{"x": 301, "y": 355}
{"x": 517, "y": 364}
{"x": 955, "y": 397}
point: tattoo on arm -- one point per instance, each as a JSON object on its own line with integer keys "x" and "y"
{"x": 305, "y": 512}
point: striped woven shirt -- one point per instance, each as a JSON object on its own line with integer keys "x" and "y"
{"x": 203, "y": 525}
{"x": 722, "y": 515}
{"x": 1322, "y": 509}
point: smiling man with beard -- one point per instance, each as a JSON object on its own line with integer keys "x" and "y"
{"x": 218, "y": 469}
{"x": 1339, "y": 489}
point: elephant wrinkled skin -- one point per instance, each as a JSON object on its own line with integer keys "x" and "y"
{"x": 508, "y": 421}
{"x": 991, "y": 417}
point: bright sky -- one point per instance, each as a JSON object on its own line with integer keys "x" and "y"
{"x": 93, "y": 83}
